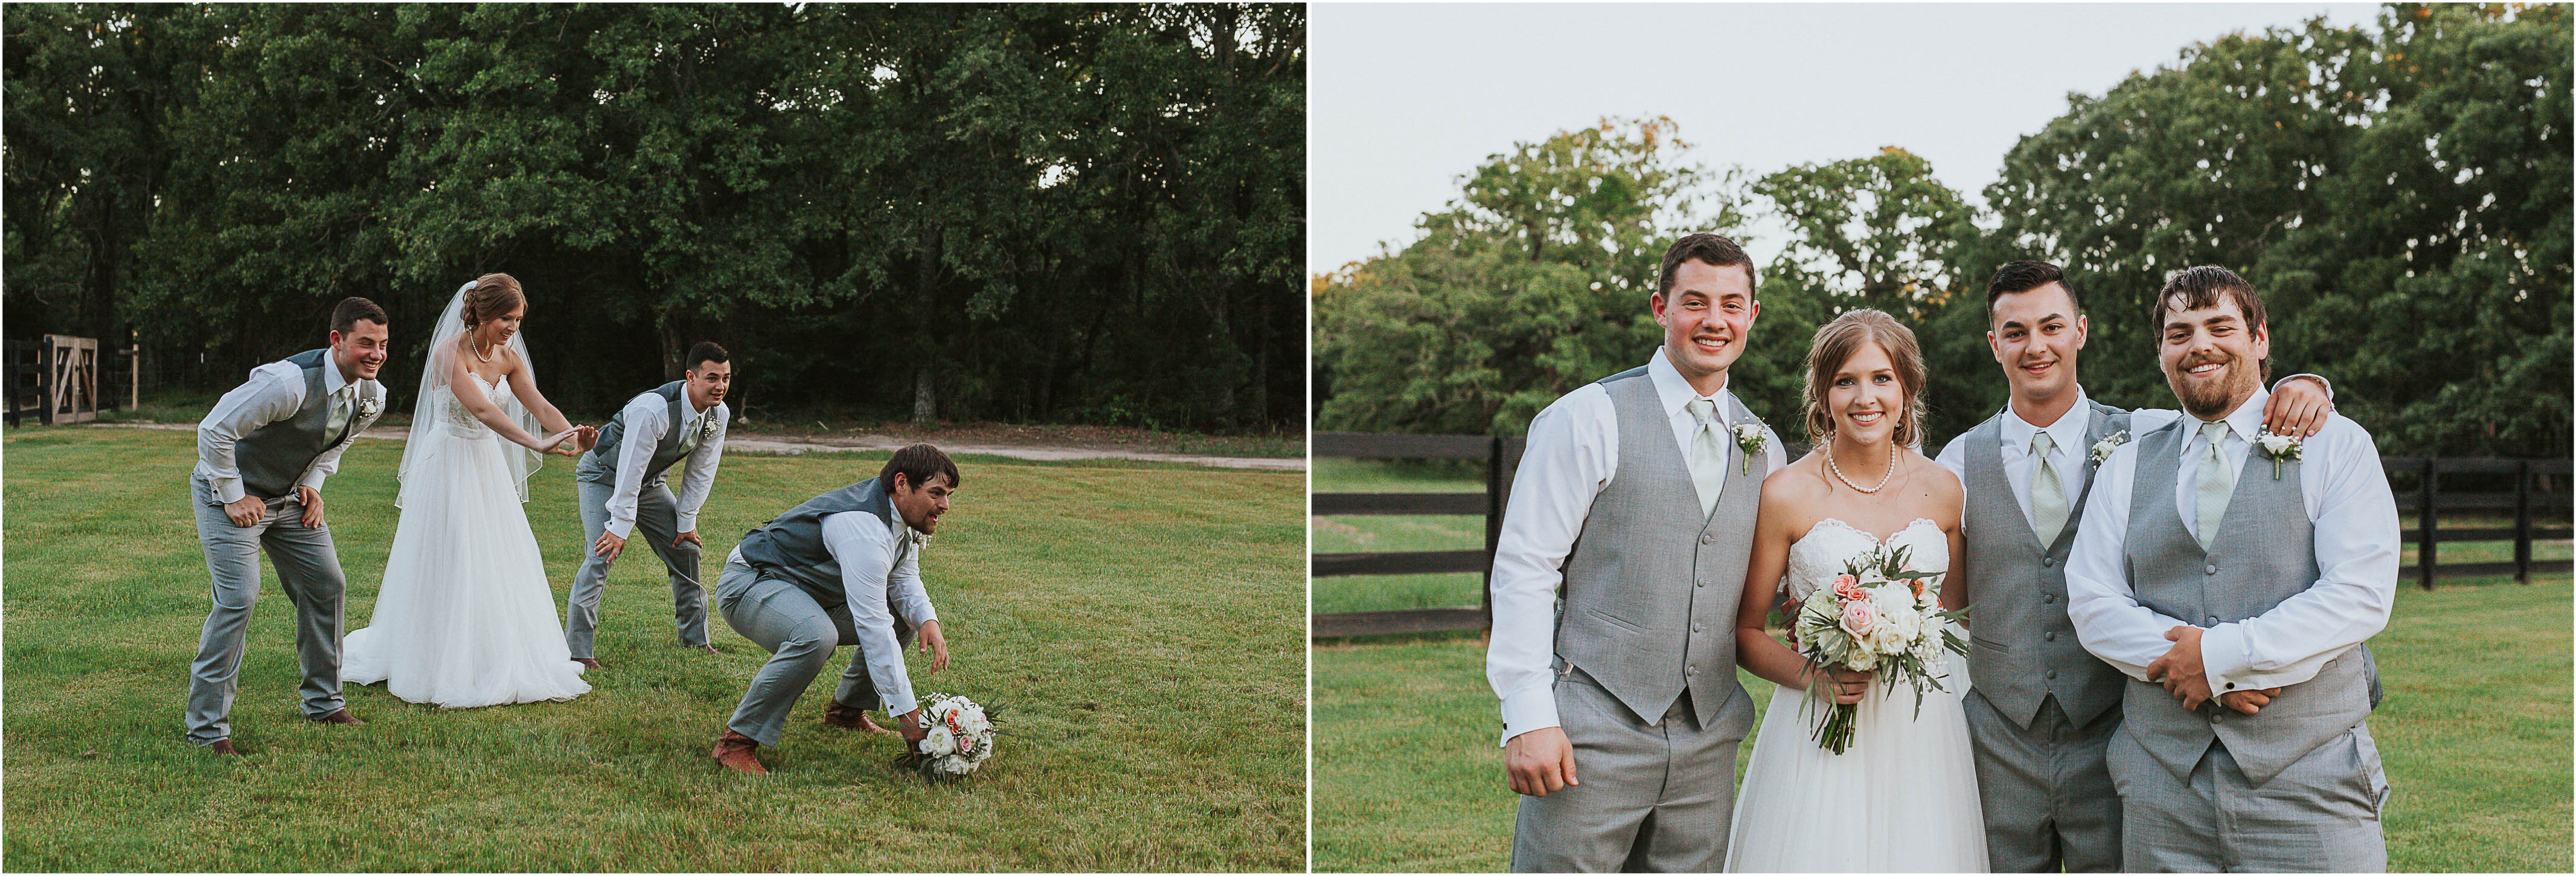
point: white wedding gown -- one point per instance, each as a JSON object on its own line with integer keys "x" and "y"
{"x": 1902, "y": 797}
{"x": 465, "y": 617}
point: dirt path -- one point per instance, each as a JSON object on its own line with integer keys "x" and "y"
{"x": 891, "y": 442}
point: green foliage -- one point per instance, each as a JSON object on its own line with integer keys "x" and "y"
{"x": 1006, "y": 212}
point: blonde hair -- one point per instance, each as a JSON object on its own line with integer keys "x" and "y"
{"x": 1835, "y": 345}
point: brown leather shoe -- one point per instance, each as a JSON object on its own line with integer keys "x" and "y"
{"x": 223, "y": 746}
{"x": 338, "y": 716}
{"x": 587, "y": 663}
{"x": 709, "y": 647}
{"x": 850, "y": 718}
{"x": 733, "y": 750}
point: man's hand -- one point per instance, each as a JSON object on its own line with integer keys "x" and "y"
{"x": 586, "y": 439}
{"x": 246, "y": 511}
{"x": 910, "y": 726}
{"x": 2248, "y": 701}
{"x": 689, "y": 537}
{"x": 608, "y": 546}
{"x": 2299, "y": 408}
{"x": 1539, "y": 761}
{"x": 935, "y": 645}
{"x": 2179, "y": 670}
{"x": 312, "y": 502}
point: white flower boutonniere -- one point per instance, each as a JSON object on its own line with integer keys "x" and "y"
{"x": 1749, "y": 438}
{"x": 707, "y": 429}
{"x": 2102, "y": 449}
{"x": 2278, "y": 447}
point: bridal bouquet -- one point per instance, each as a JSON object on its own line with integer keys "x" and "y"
{"x": 1877, "y": 615}
{"x": 961, "y": 737}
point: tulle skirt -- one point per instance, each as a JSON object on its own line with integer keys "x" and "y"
{"x": 1901, "y": 798}
{"x": 465, "y": 617}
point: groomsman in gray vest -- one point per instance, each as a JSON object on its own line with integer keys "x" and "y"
{"x": 2234, "y": 580}
{"x": 2042, "y": 709}
{"x": 843, "y": 568}
{"x": 623, "y": 488}
{"x": 262, "y": 456}
{"x": 1621, "y": 711}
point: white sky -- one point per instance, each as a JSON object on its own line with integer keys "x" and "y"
{"x": 1403, "y": 99}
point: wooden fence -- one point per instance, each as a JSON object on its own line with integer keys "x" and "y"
{"x": 64, "y": 379}
{"x": 2521, "y": 497}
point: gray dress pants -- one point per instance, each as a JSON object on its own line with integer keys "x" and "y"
{"x": 2047, "y": 793}
{"x": 799, "y": 634}
{"x": 657, "y": 523}
{"x": 309, "y": 570}
{"x": 1654, "y": 798}
{"x": 2321, "y": 815}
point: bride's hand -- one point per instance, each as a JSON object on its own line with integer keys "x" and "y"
{"x": 555, "y": 443}
{"x": 1848, "y": 685}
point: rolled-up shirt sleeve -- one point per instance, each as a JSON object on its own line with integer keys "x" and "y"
{"x": 699, "y": 477}
{"x": 2099, "y": 599}
{"x": 271, "y": 394}
{"x": 646, "y": 419}
{"x": 1567, "y": 463}
{"x": 864, "y": 548}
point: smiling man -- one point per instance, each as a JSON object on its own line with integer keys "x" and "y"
{"x": 2233, "y": 577}
{"x": 623, "y": 488}
{"x": 262, "y": 456}
{"x": 1622, "y": 713}
{"x": 844, "y": 568}
{"x": 2042, "y": 709}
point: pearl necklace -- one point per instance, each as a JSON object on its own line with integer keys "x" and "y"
{"x": 478, "y": 351}
{"x": 1838, "y": 471}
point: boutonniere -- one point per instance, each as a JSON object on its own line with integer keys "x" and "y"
{"x": 2102, "y": 449}
{"x": 707, "y": 429}
{"x": 919, "y": 538}
{"x": 2278, "y": 447}
{"x": 1749, "y": 438}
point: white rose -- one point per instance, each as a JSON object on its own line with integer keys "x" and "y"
{"x": 955, "y": 766}
{"x": 1861, "y": 659}
{"x": 940, "y": 742}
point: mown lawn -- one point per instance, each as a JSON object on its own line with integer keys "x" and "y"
{"x": 2474, "y": 732}
{"x": 1081, "y": 597}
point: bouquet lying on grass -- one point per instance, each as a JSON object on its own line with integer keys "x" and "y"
{"x": 1876, "y": 616}
{"x": 961, "y": 737}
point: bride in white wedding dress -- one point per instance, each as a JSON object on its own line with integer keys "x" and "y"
{"x": 465, "y": 617}
{"x": 1903, "y": 796}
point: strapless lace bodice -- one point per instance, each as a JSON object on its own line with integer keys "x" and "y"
{"x": 1818, "y": 557}
{"x": 461, "y": 421}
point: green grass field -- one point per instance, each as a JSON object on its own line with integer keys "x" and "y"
{"x": 1408, "y": 778}
{"x": 1077, "y": 596}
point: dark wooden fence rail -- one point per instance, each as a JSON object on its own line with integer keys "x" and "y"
{"x": 24, "y": 380}
{"x": 1501, "y": 456}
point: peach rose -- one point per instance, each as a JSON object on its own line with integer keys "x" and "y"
{"x": 1859, "y": 618}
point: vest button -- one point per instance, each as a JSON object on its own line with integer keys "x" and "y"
{"x": 2047, "y": 561}
{"x": 2211, "y": 569}
{"x": 1707, "y": 538}
{"x": 2213, "y": 620}
{"x": 2052, "y": 637}
{"x": 2050, "y": 599}
{"x": 2052, "y": 674}
{"x": 1690, "y": 670}
{"x": 1702, "y": 583}
{"x": 1699, "y": 628}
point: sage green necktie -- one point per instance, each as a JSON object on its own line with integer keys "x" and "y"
{"x": 2215, "y": 483}
{"x": 2047, "y": 493}
{"x": 689, "y": 435}
{"x": 340, "y": 409}
{"x": 1708, "y": 456}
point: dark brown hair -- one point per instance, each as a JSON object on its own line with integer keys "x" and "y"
{"x": 345, "y": 317}
{"x": 917, "y": 464}
{"x": 1704, "y": 247}
{"x": 493, "y": 296}
{"x": 1837, "y": 342}
{"x": 704, "y": 352}
{"x": 2024, "y": 276}
{"x": 2198, "y": 287}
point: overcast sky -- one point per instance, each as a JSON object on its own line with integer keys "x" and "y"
{"x": 1405, "y": 98}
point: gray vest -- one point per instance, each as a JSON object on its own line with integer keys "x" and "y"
{"x": 600, "y": 464}
{"x": 2023, "y": 648}
{"x": 791, "y": 546}
{"x": 2265, "y": 552}
{"x": 1651, "y": 586}
{"x": 273, "y": 457}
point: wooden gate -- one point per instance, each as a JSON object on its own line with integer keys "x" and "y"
{"x": 71, "y": 384}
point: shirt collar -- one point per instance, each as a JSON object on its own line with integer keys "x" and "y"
{"x": 332, "y": 382}
{"x": 2067, "y": 432}
{"x": 1675, "y": 392}
{"x": 2245, "y": 422}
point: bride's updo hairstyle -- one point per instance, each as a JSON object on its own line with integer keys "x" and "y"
{"x": 493, "y": 297}
{"x": 1837, "y": 342}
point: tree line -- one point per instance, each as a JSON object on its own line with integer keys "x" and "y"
{"x": 2400, "y": 195}
{"x": 1076, "y": 213}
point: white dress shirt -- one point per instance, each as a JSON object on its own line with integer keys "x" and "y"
{"x": 2069, "y": 455}
{"x": 880, "y": 575}
{"x": 1573, "y": 452}
{"x": 2355, "y": 519}
{"x": 274, "y": 392}
{"x": 648, "y": 416}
